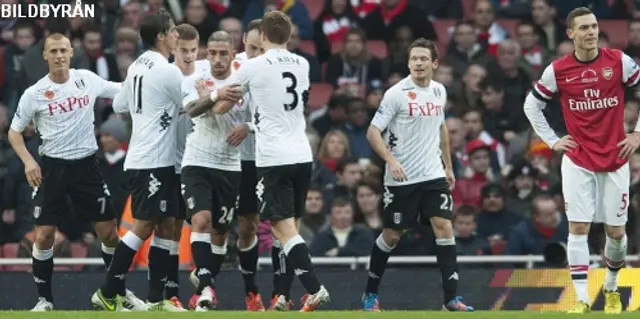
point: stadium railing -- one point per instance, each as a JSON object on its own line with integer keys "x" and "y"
{"x": 353, "y": 262}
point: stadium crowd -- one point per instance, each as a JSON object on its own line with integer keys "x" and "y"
{"x": 508, "y": 199}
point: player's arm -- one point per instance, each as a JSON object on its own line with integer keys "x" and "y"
{"x": 445, "y": 147}
{"x": 537, "y": 100}
{"x": 233, "y": 92}
{"x": 123, "y": 98}
{"x": 25, "y": 113}
{"x": 385, "y": 113}
{"x": 104, "y": 89}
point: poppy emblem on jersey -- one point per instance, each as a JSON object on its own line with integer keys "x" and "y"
{"x": 236, "y": 65}
{"x": 607, "y": 73}
{"x": 49, "y": 94}
{"x": 411, "y": 95}
{"x": 209, "y": 83}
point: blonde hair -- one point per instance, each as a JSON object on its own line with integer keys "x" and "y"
{"x": 323, "y": 151}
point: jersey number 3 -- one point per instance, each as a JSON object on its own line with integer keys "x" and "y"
{"x": 137, "y": 93}
{"x": 291, "y": 89}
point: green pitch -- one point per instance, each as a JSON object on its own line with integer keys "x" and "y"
{"x": 318, "y": 314}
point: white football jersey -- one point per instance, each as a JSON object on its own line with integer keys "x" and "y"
{"x": 248, "y": 146}
{"x": 412, "y": 117}
{"x": 63, "y": 113}
{"x": 278, "y": 86}
{"x": 207, "y": 145}
{"x": 152, "y": 95}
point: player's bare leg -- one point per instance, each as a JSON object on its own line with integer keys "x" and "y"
{"x": 282, "y": 277}
{"x": 382, "y": 248}
{"x": 578, "y": 258}
{"x": 248, "y": 256}
{"x": 173, "y": 267}
{"x": 107, "y": 297}
{"x": 447, "y": 255}
{"x": 615, "y": 252}
{"x": 108, "y": 235}
{"x": 42, "y": 256}
{"x": 297, "y": 255}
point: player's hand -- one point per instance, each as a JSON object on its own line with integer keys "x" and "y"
{"x": 629, "y": 145}
{"x": 33, "y": 174}
{"x": 451, "y": 178}
{"x": 397, "y": 171}
{"x": 231, "y": 92}
{"x": 203, "y": 89}
{"x": 566, "y": 143}
{"x": 238, "y": 134}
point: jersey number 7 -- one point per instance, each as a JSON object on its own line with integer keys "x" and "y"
{"x": 291, "y": 89}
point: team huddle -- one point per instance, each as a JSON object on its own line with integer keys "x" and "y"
{"x": 223, "y": 139}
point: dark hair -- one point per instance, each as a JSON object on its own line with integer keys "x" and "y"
{"x": 91, "y": 28}
{"x": 577, "y": 12}
{"x": 357, "y": 31}
{"x": 490, "y": 84}
{"x": 153, "y": 25}
{"x": 424, "y": 43}
{"x": 468, "y": 23}
{"x": 525, "y": 23}
{"x": 342, "y": 164}
{"x": 371, "y": 184}
{"x": 465, "y": 211}
{"x": 336, "y": 101}
{"x": 55, "y": 25}
{"x": 314, "y": 188}
{"x": 276, "y": 27}
{"x": 24, "y": 24}
{"x": 187, "y": 32}
{"x": 254, "y": 25}
{"x": 340, "y": 202}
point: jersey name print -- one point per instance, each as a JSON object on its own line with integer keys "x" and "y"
{"x": 207, "y": 145}
{"x": 152, "y": 95}
{"x": 411, "y": 117}
{"x": 63, "y": 113}
{"x": 592, "y": 93}
{"x": 278, "y": 86}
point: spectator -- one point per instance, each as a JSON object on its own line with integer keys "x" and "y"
{"x": 348, "y": 173}
{"x": 354, "y": 65}
{"x": 541, "y": 157}
{"x": 197, "y": 14}
{"x": 358, "y": 119}
{"x": 363, "y": 7}
{"x": 551, "y": 30}
{"x": 382, "y": 23}
{"x": 320, "y": 175}
{"x": 127, "y": 43}
{"x": 523, "y": 188}
{"x": 631, "y": 109}
{"x": 457, "y": 143}
{"x": 24, "y": 36}
{"x": 474, "y": 129}
{"x": 501, "y": 121}
{"x": 512, "y": 9}
{"x": 489, "y": 32}
{"x": 369, "y": 204}
{"x": 564, "y": 48}
{"x": 334, "y": 148}
{"x": 603, "y": 40}
{"x": 110, "y": 18}
{"x": 533, "y": 53}
{"x": 343, "y": 238}
{"x": 398, "y": 49}
{"x": 545, "y": 226}
{"x": 123, "y": 62}
{"x": 332, "y": 116}
{"x": 445, "y": 9}
{"x": 77, "y": 26}
{"x": 94, "y": 59}
{"x": 315, "y": 75}
{"x": 464, "y": 227}
{"x": 233, "y": 26}
{"x": 335, "y": 20}
{"x": 293, "y": 8}
{"x": 495, "y": 222}
{"x": 465, "y": 50}
{"x": 314, "y": 219}
{"x": 228, "y": 8}
{"x": 512, "y": 71}
{"x": 113, "y": 138}
{"x": 476, "y": 174}
{"x": 132, "y": 12}
{"x": 633, "y": 39}
{"x": 469, "y": 92}
{"x": 374, "y": 97}
{"x": 444, "y": 75}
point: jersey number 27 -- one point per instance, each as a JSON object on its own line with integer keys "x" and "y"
{"x": 291, "y": 89}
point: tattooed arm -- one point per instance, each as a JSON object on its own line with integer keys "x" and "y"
{"x": 198, "y": 107}
{"x": 220, "y": 101}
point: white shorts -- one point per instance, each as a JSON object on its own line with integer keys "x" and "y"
{"x": 595, "y": 197}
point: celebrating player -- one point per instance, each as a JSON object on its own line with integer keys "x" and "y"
{"x": 416, "y": 185}
{"x": 152, "y": 95}
{"x": 591, "y": 84}
{"x": 211, "y": 170}
{"x": 61, "y": 105}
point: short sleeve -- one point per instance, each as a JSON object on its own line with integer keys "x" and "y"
{"x": 389, "y": 107}
{"x": 243, "y": 74}
{"x": 25, "y": 112}
{"x": 630, "y": 71}
{"x": 546, "y": 86}
{"x": 103, "y": 88}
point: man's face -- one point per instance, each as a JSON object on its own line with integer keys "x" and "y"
{"x": 233, "y": 27}
{"x": 480, "y": 161}
{"x": 444, "y": 75}
{"x": 252, "y": 44}
{"x": 132, "y": 14}
{"x": 313, "y": 203}
{"x": 527, "y": 37}
{"x": 92, "y": 43}
{"x": 483, "y": 14}
{"x": 109, "y": 143}
{"x": 187, "y": 51}
{"x": 196, "y": 12}
{"x": 24, "y": 38}
{"x": 294, "y": 39}
{"x": 220, "y": 57}
{"x": 351, "y": 175}
{"x": 354, "y": 45}
{"x": 472, "y": 122}
{"x": 492, "y": 98}
{"x": 546, "y": 213}
{"x": 493, "y": 203}
{"x": 508, "y": 57}
{"x": 464, "y": 226}
{"x": 367, "y": 200}
{"x": 58, "y": 53}
{"x": 456, "y": 133}
{"x": 584, "y": 32}
{"x": 465, "y": 36}
{"x": 634, "y": 33}
{"x": 421, "y": 66}
{"x": 524, "y": 182}
{"x": 358, "y": 114}
{"x": 473, "y": 76}
{"x": 342, "y": 216}
{"x": 541, "y": 12}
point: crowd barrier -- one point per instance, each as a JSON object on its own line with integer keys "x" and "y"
{"x": 406, "y": 288}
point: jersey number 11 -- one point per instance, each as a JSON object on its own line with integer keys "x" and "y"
{"x": 137, "y": 93}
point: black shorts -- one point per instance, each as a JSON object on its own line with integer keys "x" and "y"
{"x": 181, "y": 213}
{"x": 78, "y": 180}
{"x": 248, "y": 202}
{"x": 406, "y": 205}
{"x": 153, "y": 193}
{"x": 282, "y": 190}
{"x": 212, "y": 190}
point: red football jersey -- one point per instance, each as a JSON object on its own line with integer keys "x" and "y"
{"x": 592, "y": 99}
